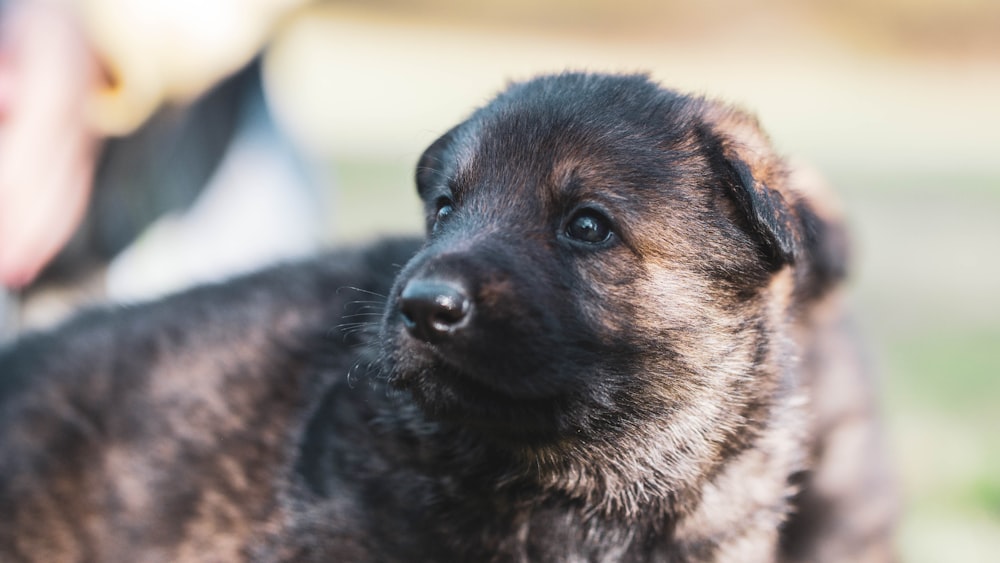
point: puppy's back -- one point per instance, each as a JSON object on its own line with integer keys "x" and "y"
{"x": 166, "y": 429}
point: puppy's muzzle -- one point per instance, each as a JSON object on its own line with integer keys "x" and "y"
{"x": 433, "y": 310}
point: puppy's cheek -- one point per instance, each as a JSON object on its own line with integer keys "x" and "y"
{"x": 604, "y": 292}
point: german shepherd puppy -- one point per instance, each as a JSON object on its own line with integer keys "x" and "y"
{"x": 621, "y": 340}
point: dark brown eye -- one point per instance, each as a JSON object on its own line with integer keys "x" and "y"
{"x": 444, "y": 208}
{"x": 590, "y": 226}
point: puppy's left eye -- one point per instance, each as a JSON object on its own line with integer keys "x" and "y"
{"x": 444, "y": 208}
{"x": 590, "y": 226}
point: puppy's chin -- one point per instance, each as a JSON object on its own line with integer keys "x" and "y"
{"x": 457, "y": 397}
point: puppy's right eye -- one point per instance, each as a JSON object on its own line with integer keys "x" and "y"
{"x": 589, "y": 226}
{"x": 445, "y": 207}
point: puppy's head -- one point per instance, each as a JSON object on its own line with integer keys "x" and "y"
{"x": 605, "y": 260}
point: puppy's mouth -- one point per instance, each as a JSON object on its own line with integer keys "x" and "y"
{"x": 452, "y": 386}
{"x": 470, "y": 364}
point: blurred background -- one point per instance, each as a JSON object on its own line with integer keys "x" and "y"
{"x": 896, "y": 102}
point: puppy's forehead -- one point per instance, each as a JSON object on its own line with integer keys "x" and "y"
{"x": 464, "y": 152}
{"x": 561, "y": 136}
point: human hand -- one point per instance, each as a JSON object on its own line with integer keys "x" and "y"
{"x": 47, "y": 149}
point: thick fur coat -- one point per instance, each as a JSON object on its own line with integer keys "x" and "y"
{"x": 622, "y": 340}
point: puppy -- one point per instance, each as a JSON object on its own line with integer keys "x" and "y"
{"x": 622, "y": 340}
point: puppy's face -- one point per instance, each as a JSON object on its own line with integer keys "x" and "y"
{"x": 595, "y": 263}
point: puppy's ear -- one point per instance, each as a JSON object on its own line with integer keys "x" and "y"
{"x": 767, "y": 213}
{"x": 432, "y": 163}
{"x": 824, "y": 244}
{"x": 741, "y": 154}
{"x": 788, "y": 210}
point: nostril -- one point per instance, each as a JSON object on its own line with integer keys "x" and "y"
{"x": 433, "y": 309}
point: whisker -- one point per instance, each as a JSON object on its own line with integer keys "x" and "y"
{"x": 380, "y": 308}
{"x": 356, "y": 315}
{"x": 359, "y": 290}
{"x": 349, "y": 326}
{"x": 351, "y": 379}
{"x": 357, "y": 325}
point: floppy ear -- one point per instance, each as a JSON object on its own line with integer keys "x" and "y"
{"x": 788, "y": 211}
{"x": 766, "y": 211}
{"x": 742, "y": 156}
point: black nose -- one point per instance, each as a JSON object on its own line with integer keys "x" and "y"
{"x": 432, "y": 310}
